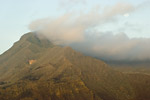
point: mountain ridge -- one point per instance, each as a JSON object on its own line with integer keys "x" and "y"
{"x": 58, "y": 73}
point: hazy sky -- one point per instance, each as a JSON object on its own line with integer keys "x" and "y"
{"x": 16, "y": 16}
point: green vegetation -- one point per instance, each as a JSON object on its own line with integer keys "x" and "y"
{"x": 60, "y": 73}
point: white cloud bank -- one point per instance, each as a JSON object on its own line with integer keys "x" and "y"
{"x": 78, "y": 31}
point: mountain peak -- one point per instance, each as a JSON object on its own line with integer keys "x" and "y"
{"x": 36, "y": 69}
{"x": 37, "y": 39}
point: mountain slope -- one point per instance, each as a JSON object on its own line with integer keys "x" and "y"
{"x": 36, "y": 69}
{"x": 16, "y": 58}
{"x": 141, "y": 85}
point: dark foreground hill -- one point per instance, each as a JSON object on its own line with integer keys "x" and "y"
{"x": 36, "y": 69}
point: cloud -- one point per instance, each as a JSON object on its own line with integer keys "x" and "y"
{"x": 119, "y": 9}
{"x": 62, "y": 30}
{"x": 116, "y": 47}
{"x": 71, "y": 27}
{"x": 79, "y": 31}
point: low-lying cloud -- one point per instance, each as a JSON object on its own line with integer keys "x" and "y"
{"x": 80, "y": 32}
{"x": 117, "y": 47}
{"x": 72, "y": 27}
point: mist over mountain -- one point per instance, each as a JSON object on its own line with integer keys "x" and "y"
{"x": 37, "y": 69}
{"x": 75, "y": 50}
{"x": 83, "y": 33}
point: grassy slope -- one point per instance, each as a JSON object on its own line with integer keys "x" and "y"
{"x": 59, "y": 73}
{"x": 139, "y": 78}
{"x": 141, "y": 85}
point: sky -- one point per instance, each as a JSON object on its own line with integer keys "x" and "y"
{"x": 127, "y": 19}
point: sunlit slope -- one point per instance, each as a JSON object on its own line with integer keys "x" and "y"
{"x": 36, "y": 69}
{"x": 15, "y": 60}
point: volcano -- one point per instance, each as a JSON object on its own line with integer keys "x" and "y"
{"x": 34, "y": 68}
